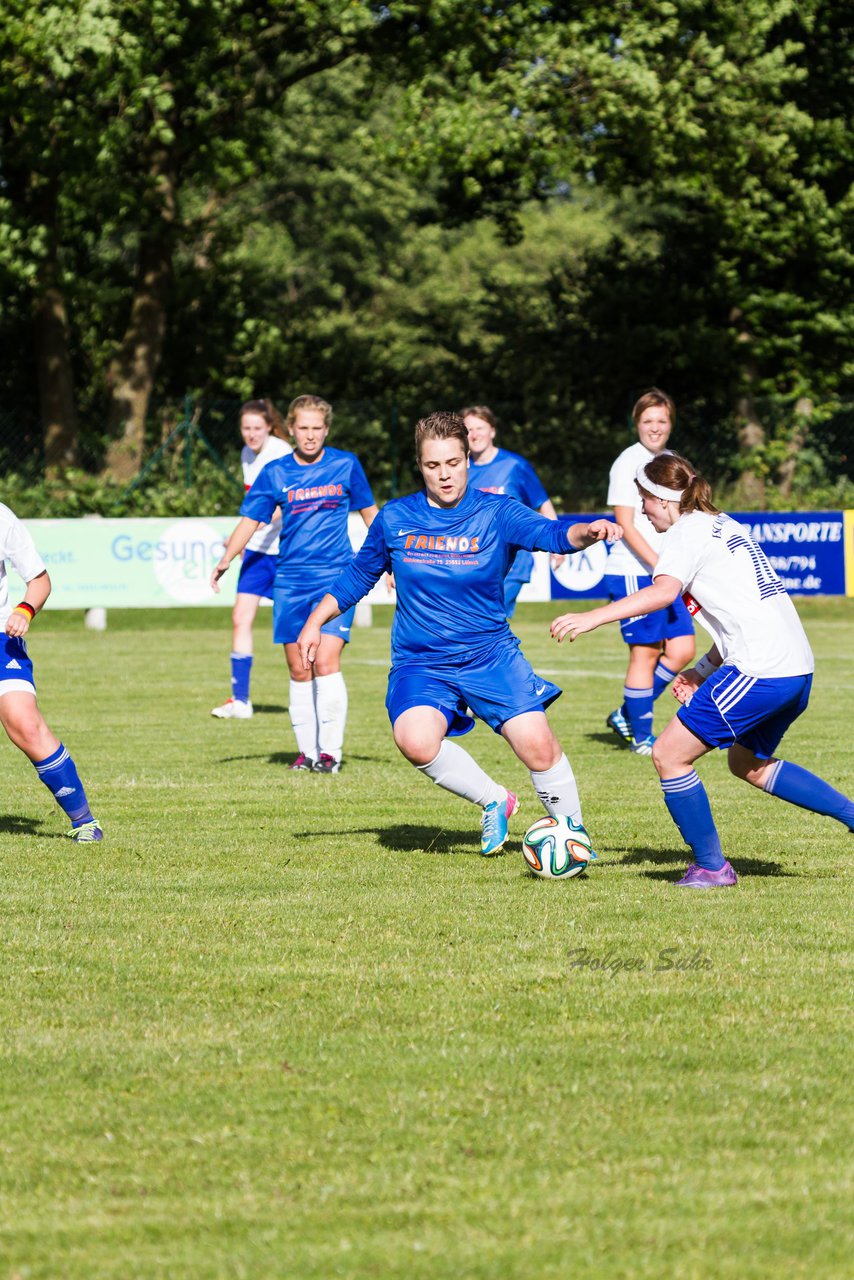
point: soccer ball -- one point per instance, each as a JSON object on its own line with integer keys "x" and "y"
{"x": 556, "y": 848}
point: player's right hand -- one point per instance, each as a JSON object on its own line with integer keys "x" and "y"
{"x": 219, "y": 570}
{"x": 308, "y": 643}
{"x": 685, "y": 686}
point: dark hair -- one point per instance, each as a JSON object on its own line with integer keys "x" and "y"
{"x": 310, "y": 402}
{"x": 268, "y": 411}
{"x": 672, "y": 471}
{"x": 480, "y": 411}
{"x": 651, "y": 400}
{"x": 441, "y": 426}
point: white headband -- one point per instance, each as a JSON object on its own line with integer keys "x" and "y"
{"x": 657, "y": 490}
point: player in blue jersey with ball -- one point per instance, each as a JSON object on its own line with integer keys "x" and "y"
{"x": 496, "y": 470}
{"x": 315, "y": 488}
{"x": 449, "y": 549}
{"x": 752, "y": 684}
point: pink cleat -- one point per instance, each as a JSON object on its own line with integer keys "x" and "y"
{"x": 701, "y": 878}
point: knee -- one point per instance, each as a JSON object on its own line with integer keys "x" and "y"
{"x": 31, "y": 735}
{"x": 659, "y": 758}
{"x": 417, "y": 750}
{"x": 325, "y": 667}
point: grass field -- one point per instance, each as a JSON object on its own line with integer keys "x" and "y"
{"x": 281, "y": 1025}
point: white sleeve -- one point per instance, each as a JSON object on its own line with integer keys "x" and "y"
{"x": 622, "y": 490}
{"x": 20, "y": 550}
{"x": 681, "y": 553}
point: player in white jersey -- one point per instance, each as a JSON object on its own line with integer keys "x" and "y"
{"x": 750, "y": 686}
{"x": 661, "y": 643}
{"x": 262, "y": 428}
{"x": 19, "y": 711}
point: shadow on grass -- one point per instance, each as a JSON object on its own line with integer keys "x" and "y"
{"x": 408, "y": 838}
{"x": 611, "y": 740}
{"x": 268, "y": 708}
{"x": 681, "y": 858}
{"x": 285, "y": 758}
{"x": 12, "y": 824}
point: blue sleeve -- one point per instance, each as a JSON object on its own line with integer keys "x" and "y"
{"x": 371, "y": 562}
{"x": 532, "y": 492}
{"x": 524, "y": 528}
{"x": 263, "y": 498}
{"x": 360, "y": 490}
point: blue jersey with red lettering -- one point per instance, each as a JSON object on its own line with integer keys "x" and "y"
{"x": 315, "y": 500}
{"x": 513, "y": 475}
{"x": 449, "y": 566}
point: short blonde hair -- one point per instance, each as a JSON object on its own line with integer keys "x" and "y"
{"x": 309, "y": 402}
{"x": 441, "y": 426}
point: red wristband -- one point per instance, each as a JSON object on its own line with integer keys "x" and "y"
{"x": 26, "y": 608}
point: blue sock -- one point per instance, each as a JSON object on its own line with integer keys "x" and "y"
{"x": 241, "y": 670}
{"x": 59, "y": 774}
{"x": 661, "y": 679}
{"x": 638, "y": 704}
{"x": 799, "y": 786}
{"x": 689, "y": 808}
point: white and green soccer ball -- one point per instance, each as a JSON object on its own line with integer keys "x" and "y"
{"x": 556, "y": 848}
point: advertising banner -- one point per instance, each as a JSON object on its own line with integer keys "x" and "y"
{"x": 150, "y": 564}
{"x": 141, "y": 564}
{"x": 809, "y": 550}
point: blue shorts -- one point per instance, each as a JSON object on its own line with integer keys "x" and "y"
{"x": 730, "y": 707}
{"x": 256, "y": 575}
{"x": 653, "y": 628}
{"x": 16, "y": 668}
{"x": 294, "y": 601}
{"x": 495, "y": 688}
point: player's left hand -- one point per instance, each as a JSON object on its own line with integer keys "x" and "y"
{"x": 572, "y": 625}
{"x": 604, "y": 531}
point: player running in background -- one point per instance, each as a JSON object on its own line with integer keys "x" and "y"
{"x": 751, "y": 685}
{"x": 495, "y": 470}
{"x": 449, "y": 548}
{"x": 316, "y": 488}
{"x": 662, "y": 643}
{"x": 19, "y": 711}
{"x": 262, "y": 429}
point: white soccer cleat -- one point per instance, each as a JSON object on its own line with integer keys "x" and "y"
{"x": 233, "y": 710}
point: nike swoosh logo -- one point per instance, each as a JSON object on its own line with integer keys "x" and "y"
{"x": 402, "y": 533}
{"x": 541, "y": 688}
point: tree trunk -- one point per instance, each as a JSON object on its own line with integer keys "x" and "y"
{"x": 803, "y": 412}
{"x": 55, "y": 379}
{"x": 750, "y": 490}
{"x": 133, "y": 371}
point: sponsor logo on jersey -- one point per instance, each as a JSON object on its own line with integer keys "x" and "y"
{"x": 316, "y": 491}
{"x": 693, "y": 606}
{"x": 490, "y": 488}
{"x": 439, "y": 542}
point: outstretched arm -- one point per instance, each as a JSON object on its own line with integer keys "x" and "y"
{"x": 580, "y": 536}
{"x": 236, "y": 543}
{"x": 662, "y": 593}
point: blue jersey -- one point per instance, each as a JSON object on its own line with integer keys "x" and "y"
{"x": 449, "y": 566}
{"x": 511, "y": 474}
{"x": 315, "y": 500}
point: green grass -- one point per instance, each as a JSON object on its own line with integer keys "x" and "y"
{"x": 280, "y": 1025}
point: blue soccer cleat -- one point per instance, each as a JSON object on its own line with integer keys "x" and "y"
{"x": 618, "y": 724}
{"x": 494, "y": 824}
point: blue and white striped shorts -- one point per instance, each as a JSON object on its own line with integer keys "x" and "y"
{"x": 732, "y": 707}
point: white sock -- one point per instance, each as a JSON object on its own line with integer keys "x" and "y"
{"x": 558, "y": 790}
{"x": 455, "y": 770}
{"x": 331, "y": 704}
{"x": 303, "y": 716}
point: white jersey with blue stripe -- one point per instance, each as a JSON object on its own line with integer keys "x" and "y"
{"x": 732, "y": 591}
{"x": 449, "y": 566}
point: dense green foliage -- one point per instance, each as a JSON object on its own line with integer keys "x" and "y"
{"x": 548, "y": 207}
{"x": 284, "y": 1025}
